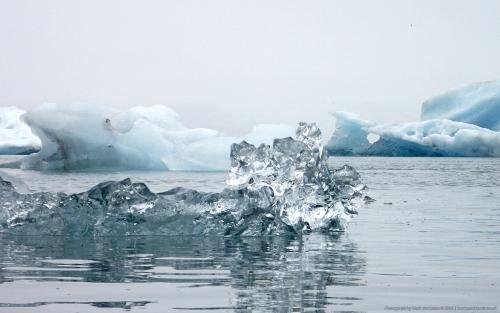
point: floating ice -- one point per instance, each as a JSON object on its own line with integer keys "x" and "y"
{"x": 477, "y": 104}
{"x": 83, "y": 137}
{"x": 350, "y": 136}
{"x": 272, "y": 190}
{"x": 15, "y": 136}
{"x": 427, "y": 138}
{"x": 461, "y": 122}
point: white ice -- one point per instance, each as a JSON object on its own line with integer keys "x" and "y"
{"x": 151, "y": 138}
{"x": 15, "y": 136}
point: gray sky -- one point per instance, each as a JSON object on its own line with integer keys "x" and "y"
{"x": 231, "y": 64}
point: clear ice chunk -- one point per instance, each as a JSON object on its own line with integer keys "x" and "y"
{"x": 286, "y": 188}
{"x": 293, "y": 174}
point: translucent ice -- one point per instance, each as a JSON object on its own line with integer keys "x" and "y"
{"x": 477, "y": 104}
{"x": 77, "y": 137}
{"x": 293, "y": 179}
{"x": 272, "y": 190}
{"x": 15, "y": 136}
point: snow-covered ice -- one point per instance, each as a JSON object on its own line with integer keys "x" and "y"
{"x": 152, "y": 138}
{"x": 15, "y": 136}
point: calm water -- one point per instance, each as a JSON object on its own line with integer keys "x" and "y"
{"x": 431, "y": 241}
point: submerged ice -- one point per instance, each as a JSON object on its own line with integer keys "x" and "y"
{"x": 286, "y": 187}
{"x": 151, "y": 138}
{"x": 462, "y": 123}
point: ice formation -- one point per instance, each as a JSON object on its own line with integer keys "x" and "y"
{"x": 427, "y": 138}
{"x": 477, "y": 104}
{"x": 15, "y": 136}
{"x": 151, "y": 138}
{"x": 463, "y": 123}
{"x": 286, "y": 188}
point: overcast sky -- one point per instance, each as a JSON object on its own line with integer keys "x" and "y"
{"x": 231, "y": 64}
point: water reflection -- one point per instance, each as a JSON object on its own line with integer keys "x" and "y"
{"x": 264, "y": 274}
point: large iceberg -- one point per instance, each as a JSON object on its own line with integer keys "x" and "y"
{"x": 427, "y": 138}
{"x": 459, "y": 123}
{"x": 477, "y": 104}
{"x": 151, "y": 138}
{"x": 286, "y": 188}
{"x": 15, "y": 136}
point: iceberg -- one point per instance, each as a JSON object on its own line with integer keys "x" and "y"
{"x": 15, "y": 136}
{"x": 146, "y": 138}
{"x": 350, "y": 136}
{"x": 464, "y": 122}
{"x": 438, "y": 137}
{"x": 278, "y": 189}
{"x": 477, "y": 104}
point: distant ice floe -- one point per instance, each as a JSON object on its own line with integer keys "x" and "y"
{"x": 145, "y": 138}
{"x": 459, "y": 123}
{"x": 15, "y": 136}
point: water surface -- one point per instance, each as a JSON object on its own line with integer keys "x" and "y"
{"x": 431, "y": 239}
